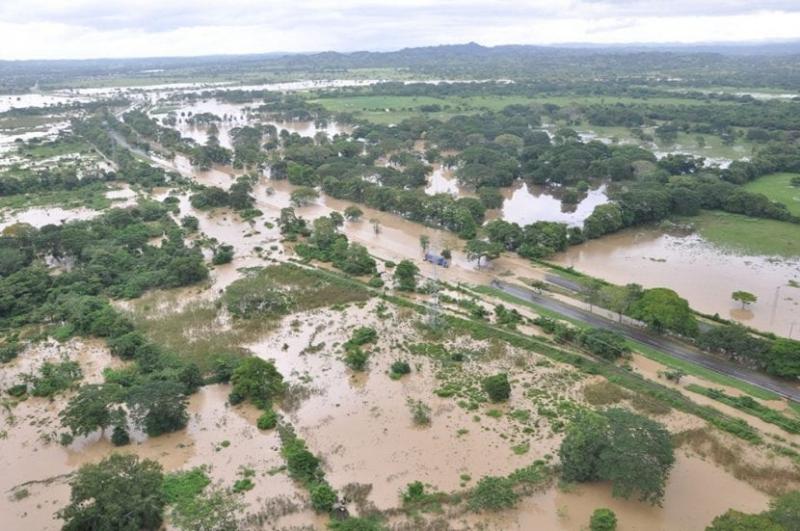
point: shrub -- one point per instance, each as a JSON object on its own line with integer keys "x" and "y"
{"x": 183, "y": 485}
{"x": 363, "y": 335}
{"x": 256, "y": 380}
{"x": 242, "y": 485}
{"x": 604, "y": 343}
{"x": 399, "y": 368}
{"x": 356, "y": 358}
{"x": 492, "y": 493}
{"x": 603, "y": 520}
{"x": 356, "y": 524}
{"x": 222, "y": 255}
{"x": 268, "y": 420}
{"x": 323, "y": 497}
{"x": 120, "y": 437}
{"x": 497, "y": 387}
{"x": 420, "y": 412}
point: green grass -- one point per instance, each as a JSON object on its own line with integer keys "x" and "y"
{"x": 54, "y": 148}
{"x": 194, "y": 334}
{"x": 374, "y": 107}
{"x": 647, "y": 351}
{"x": 749, "y": 406}
{"x": 777, "y": 187}
{"x": 746, "y": 235}
{"x": 89, "y": 196}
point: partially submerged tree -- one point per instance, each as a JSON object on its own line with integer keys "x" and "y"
{"x": 118, "y": 493}
{"x": 633, "y": 452}
{"x": 746, "y": 298}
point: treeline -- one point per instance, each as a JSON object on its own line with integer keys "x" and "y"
{"x": 95, "y": 130}
{"x": 780, "y": 357}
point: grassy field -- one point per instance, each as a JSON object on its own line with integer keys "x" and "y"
{"x": 88, "y": 196}
{"x": 393, "y": 109}
{"x": 194, "y": 332}
{"x": 776, "y": 186}
{"x": 753, "y": 236}
{"x": 645, "y": 350}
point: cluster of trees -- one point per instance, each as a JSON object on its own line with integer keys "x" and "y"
{"x": 775, "y": 356}
{"x": 633, "y": 452}
{"x": 327, "y": 244}
{"x": 306, "y": 468}
{"x": 237, "y": 197}
{"x": 783, "y": 515}
{"x": 95, "y": 129}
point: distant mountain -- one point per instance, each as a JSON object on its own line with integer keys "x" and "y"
{"x": 737, "y": 63}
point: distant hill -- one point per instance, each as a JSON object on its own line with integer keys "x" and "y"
{"x": 735, "y": 62}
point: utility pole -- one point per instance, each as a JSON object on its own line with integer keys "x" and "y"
{"x": 774, "y": 305}
{"x": 434, "y": 308}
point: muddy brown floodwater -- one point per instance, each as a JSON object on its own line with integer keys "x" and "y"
{"x": 703, "y": 274}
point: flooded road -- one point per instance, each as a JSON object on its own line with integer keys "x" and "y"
{"x": 703, "y": 274}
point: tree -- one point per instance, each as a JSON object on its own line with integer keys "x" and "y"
{"x": 662, "y": 309}
{"x": 633, "y": 452}
{"x": 222, "y": 255}
{"x": 424, "y": 243}
{"x": 376, "y": 225}
{"x": 353, "y": 213}
{"x": 479, "y": 250}
{"x": 603, "y": 520}
{"x": 158, "y": 406}
{"x": 213, "y": 510}
{"x": 591, "y": 291}
{"x": 785, "y": 510}
{"x": 90, "y": 409}
{"x": 405, "y": 275}
{"x": 118, "y": 493}
{"x": 604, "y": 343}
{"x": 744, "y": 297}
{"x": 256, "y": 380}
{"x": 497, "y": 387}
{"x": 303, "y": 195}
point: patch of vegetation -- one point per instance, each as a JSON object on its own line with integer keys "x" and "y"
{"x": 604, "y": 393}
{"x": 749, "y": 406}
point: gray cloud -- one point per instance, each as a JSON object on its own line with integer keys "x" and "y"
{"x": 88, "y": 28}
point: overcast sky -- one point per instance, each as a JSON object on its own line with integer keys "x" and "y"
{"x": 32, "y": 29}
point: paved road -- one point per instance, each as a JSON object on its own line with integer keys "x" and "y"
{"x": 668, "y": 345}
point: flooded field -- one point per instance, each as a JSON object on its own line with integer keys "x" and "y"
{"x": 701, "y": 273}
{"x": 364, "y": 425}
{"x": 524, "y": 204}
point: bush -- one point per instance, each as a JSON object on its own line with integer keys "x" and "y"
{"x": 399, "y": 368}
{"x": 356, "y": 358}
{"x": 355, "y": 524}
{"x": 268, "y": 420}
{"x": 604, "y": 343}
{"x": 242, "y": 485}
{"x": 256, "y": 380}
{"x": 603, "y": 520}
{"x": 363, "y": 335}
{"x": 120, "y": 437}
{"x": 497, "y": 387}
{"x": 323, "y": 497}
{"x": 420, "y": 412}
{"x": 492, "y": 493}
{"x": 222, "y": 255}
